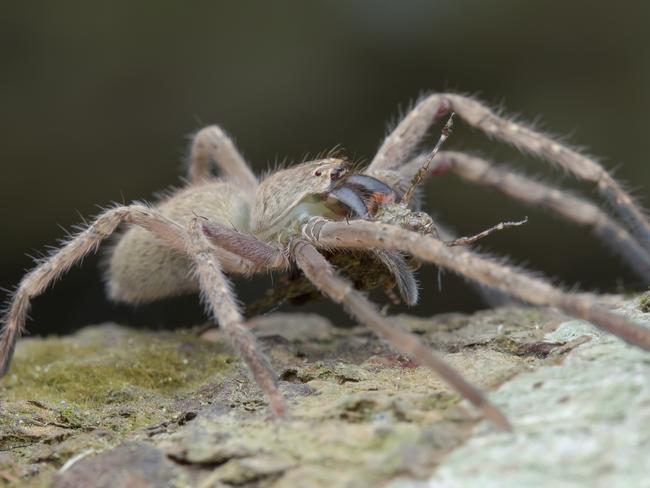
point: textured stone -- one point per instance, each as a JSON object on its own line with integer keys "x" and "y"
{"x": 361, "y": 415}
{"x": 583, "y": 421}
{"x": 131, "y": 465}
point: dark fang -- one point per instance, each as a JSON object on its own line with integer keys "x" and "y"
{"x": 373, "y": 191}
{"x": 371, "y": 186}
{"x": 346, "y": 201}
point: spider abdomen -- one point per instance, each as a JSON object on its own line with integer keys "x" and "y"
{"x": 142, "y": 268}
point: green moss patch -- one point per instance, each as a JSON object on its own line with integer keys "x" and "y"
{"x": 111, "y": 365}
{"x": 90, "y": 390}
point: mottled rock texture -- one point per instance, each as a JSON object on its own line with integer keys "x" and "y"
{"x": 171, "y": 409}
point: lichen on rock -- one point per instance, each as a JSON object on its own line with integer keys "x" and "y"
{"x": 361, "y": 414}
{"x": 583, "y": 421}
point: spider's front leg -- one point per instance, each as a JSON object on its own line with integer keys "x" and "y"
{"x": 217, "y": 293}
{"x": 562, "y": 203}
{"x": 400, "y": 145}
{"x": 538, "y": 194}
{"x": 319, "y": 271}
{"x": 361, "y": 234}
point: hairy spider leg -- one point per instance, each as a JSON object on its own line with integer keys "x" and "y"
{"x": 403, "y": 141}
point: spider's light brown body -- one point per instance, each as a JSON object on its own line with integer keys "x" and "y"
{"x": 236, "y": 224}
{"x": 142, "y": 268}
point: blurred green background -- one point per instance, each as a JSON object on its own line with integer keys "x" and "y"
{"x": 97, "y": 100}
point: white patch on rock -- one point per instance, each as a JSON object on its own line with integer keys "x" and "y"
{"x": 583, "y": 422}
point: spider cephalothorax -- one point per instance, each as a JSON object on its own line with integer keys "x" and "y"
{"x": 298, "y": 217}
{"x": 287, "y": 198}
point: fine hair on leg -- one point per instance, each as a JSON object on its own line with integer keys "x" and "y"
{"x": 403, "y": 141}
{"x": 401, "y": 271}
{"x": 319, "y": 271}
{"x": 265, "y": 256}
{"x": 217, "y": 294}
{"x": 270, "y": 257}
{"x": 364, "y": 234}
{"x": 575, "y": 209}
{"x": 52, "y": 267}
{"x": 214, "y": 286}
{"x": 537, "y": 194}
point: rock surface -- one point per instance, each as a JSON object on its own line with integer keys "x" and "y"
{"x": 170, "y": 409}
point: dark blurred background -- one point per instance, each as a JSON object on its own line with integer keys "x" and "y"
{"x": 97, "y": 100}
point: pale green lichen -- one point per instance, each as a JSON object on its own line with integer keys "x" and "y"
{"x": 584, "y": 422}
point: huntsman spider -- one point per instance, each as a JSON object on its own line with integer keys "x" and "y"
{"x": 303, "y": 216}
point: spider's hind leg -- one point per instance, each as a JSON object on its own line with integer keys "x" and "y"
{"x": 214, "y": 286}
{"x": 87, "y": 241}
{"x": 212, "y": 144}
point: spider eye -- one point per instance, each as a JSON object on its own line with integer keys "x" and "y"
{"x": 318, "y": 172}
{"x": 338, "y": 172}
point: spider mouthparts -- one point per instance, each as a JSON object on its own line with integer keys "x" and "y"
{"x": 345, "y": 201}
{"x": 370, "y": 185}
{"x": 359, "y": 196}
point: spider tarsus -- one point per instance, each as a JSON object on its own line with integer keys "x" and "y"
{"x": 499, "y": 419}
{"x": 8, "y": 340}
{"x": 464, "y": 241}
{"x": 278, "y": 408}
{"x": 613, "y": 323}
